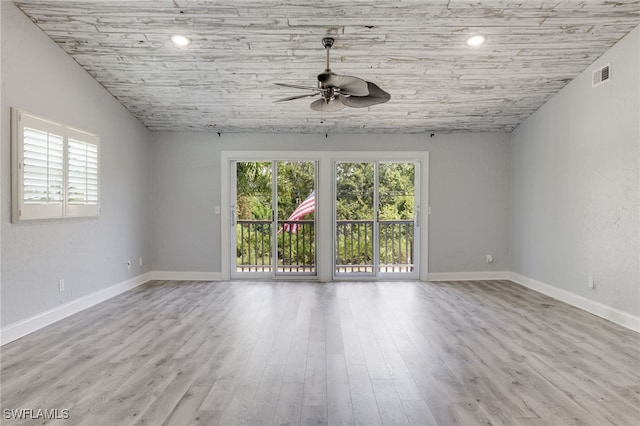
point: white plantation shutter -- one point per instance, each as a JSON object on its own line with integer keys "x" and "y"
{"x": 83, "y": 173}
{"x": 43, "y": 164}
{"x": 37, "y": 168}
{"x": 55, "y": 169}
{"x": 83, "y": 177}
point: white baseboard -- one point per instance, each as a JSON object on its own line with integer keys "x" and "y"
{"x": 604, "y": 311}
{"x": 186, "y": 276}
{"x": 28, "y": 325}
{"x": 468, "y": 276}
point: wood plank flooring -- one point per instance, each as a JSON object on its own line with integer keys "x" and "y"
{"x": 299, "y": 353}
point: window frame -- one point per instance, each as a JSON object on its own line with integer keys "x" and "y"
{"x": 22, "y": 210}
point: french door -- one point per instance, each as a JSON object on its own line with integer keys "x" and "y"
{"x": 376, "y": 219}
{"x": 273, "y": 219}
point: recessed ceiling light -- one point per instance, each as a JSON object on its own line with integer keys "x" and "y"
{"x": 475, "y": 40}
{"x": 180, "y": 40}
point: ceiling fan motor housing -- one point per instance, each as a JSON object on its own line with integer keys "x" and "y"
{"x": 324, "y": 77}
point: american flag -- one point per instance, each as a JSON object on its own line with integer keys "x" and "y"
{"x": 305, "y": 207}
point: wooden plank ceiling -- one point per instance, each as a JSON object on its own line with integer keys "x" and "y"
{"x": 413, "y": 49}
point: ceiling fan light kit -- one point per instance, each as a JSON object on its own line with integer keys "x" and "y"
{"x": 339, "y": 91}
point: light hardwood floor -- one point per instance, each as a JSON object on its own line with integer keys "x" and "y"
{"x": 460, "y": 353}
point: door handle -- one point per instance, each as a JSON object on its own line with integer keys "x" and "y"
{"x": 234, "y": 216}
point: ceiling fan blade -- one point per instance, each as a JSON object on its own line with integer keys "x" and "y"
{"x": 331, "y": 106}
{"x": 291, "y": 98}
{"x": 376, "y": 96}
{"x": 295, "y": 86}
{"x": 348, "y": 85}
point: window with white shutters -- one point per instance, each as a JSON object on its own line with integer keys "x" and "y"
{"x": 55, "y": 169}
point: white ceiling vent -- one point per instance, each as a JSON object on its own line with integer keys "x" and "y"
{"x": 601, "y": 75}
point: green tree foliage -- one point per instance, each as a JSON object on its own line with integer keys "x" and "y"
{"x": 295, "y": 183}
{"x": 396, "y": 191}
{"x": 253, "y": 180}
{"x": 254, "y": 183}
{"x": 354, "y": 191}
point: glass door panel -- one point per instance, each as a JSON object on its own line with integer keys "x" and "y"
{"x": 296, "y": 248}
{"x": 396, "y": 215}
{"x": 254, "y": 189}
{"x": 355, "y": 218}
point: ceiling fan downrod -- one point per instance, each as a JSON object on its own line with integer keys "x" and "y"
{"x": 327, "y": 42}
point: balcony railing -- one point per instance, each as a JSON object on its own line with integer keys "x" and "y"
{"x": 354, "y": 246}
{"x": 253, "y": 246}
{"x": 296, "y": 250}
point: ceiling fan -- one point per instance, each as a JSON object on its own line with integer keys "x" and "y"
{"x": 339, "y": 91}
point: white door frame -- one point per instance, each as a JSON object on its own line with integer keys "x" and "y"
{"x": 324, "y": 205}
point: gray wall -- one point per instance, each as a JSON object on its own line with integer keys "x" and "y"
{"x": 575, "y": 185}
{"x": 89, "y": 254}
{"x": 469, "y": 193}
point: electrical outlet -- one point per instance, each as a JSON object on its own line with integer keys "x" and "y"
{"x": 489, "y": 258}
{"x": 60, "y": 286}
{"x": 590, "y": 282}
{"x": 128, "y": 264}
{"x": 140, "y": 261}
